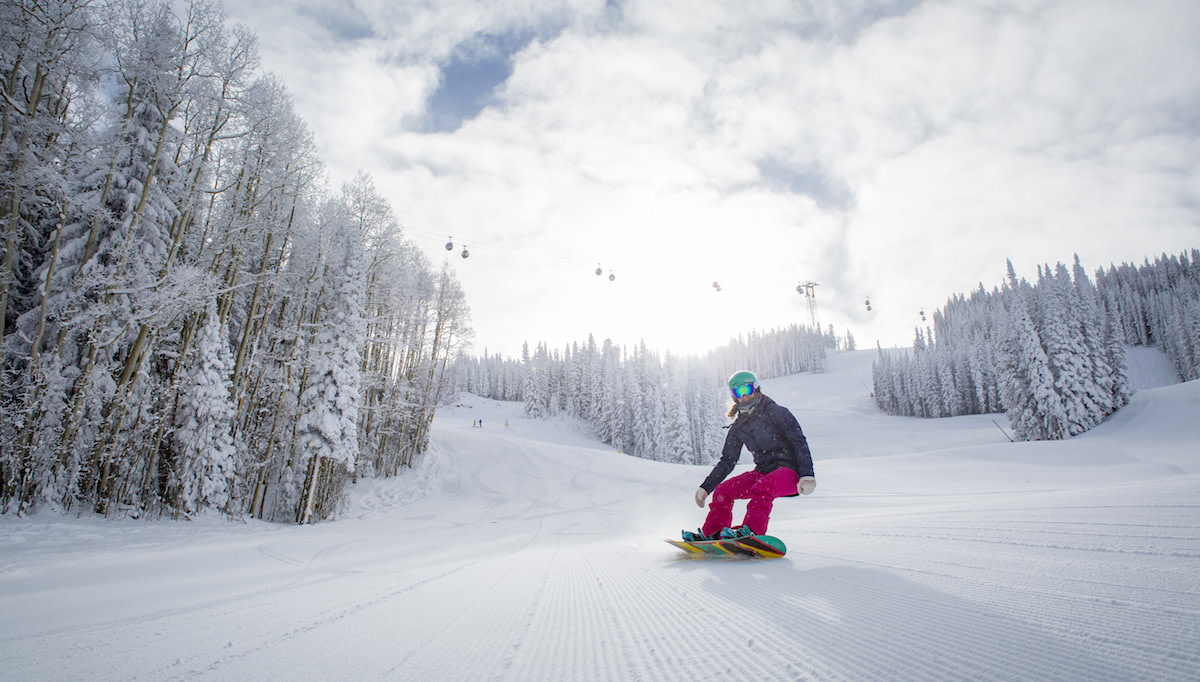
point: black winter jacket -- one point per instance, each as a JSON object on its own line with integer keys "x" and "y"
{"x": 772, "y": 434}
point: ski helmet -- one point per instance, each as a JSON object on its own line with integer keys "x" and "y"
{"x": 741, "y": 379}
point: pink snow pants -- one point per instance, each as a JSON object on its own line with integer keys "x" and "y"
{"x": 760, "y": 489}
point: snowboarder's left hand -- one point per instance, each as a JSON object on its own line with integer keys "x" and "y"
{"x": 701, "y": 496}
{"x": 807, "y": 485}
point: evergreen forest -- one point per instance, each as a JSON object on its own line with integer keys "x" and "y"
{"x": 1050, "y": 354}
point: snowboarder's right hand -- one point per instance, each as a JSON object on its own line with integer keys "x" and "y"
{"x": 701, "y": 496}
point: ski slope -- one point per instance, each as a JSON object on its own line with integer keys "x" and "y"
{"x": 932, "y": 549}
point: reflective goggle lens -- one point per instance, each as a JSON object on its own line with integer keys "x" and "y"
{"x": 743, "y": 391}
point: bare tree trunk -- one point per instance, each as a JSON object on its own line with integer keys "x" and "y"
{"x": 10, "y": 210}
{"x": 309, "y": 497}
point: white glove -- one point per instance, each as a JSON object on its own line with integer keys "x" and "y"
{"x": 701, "y": 496}
{"x": 807, "y": 485}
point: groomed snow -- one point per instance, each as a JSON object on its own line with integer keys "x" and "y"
{"x": 932, "y": 549}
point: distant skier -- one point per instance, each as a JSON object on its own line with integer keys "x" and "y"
{"x": 782, "y": 463}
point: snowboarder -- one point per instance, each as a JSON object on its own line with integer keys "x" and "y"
{"x": 782, "y": 463}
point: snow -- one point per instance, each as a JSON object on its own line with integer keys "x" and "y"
{"x": 932, "y": 549}
{"x": 1149, "y": 367}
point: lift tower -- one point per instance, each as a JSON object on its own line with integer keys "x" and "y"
{"x": 807, "y": 288}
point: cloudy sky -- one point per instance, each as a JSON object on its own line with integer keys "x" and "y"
{"x": 897, "y": 150}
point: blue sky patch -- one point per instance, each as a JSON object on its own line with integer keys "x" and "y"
{"x": 809, "y": 180}
{"x": 470, "y": 79}
{"x": 343, "y": 19}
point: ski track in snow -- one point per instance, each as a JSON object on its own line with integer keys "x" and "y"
{"x": 932, "y": 550}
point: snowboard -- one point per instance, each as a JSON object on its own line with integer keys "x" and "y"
{"x": 754, "y": 546}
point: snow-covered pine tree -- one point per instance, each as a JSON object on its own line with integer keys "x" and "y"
{"x": 537, "y": 383}
{"x": 589, "y": 360}
{"x": 1027, "y": 389}
{"x": 881, "y": 379}
{"x": 205, "y": 455}
{"x": 327, "y": 424}
{"x": 39, "y": 477}
{"x": 1114, "y": 355}
{"x": 675, "y": 439}
{"x": 609, "y": 420}
{"x": 570, "y": 380}
{"x": 1066, "y": 353}
{"x": 1188, "y": 324}
{"x": 1093, "y": 327}
{"x": 644, "y": 399}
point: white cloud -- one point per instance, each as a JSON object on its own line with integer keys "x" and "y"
{"x": 902, "y": 153}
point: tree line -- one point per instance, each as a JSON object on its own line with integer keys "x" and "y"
{"x": 668, "y": 408}
{"x": 1049, "y": 354}
{"x": 190, "y": 318}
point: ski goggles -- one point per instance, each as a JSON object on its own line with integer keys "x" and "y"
{"x": 743, "y": 390}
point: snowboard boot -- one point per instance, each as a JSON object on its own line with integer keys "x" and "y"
{"x": 698, "y": 536}
{"x": 735, "y": 533}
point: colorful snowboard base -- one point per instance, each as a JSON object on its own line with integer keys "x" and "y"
{"x": 754, "y": 546}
